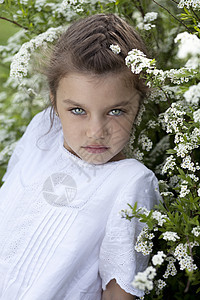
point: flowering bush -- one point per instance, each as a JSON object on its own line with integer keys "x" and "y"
{"x": 167, "y": 137}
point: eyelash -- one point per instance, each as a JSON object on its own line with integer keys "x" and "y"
{"x": 72, "y": 110}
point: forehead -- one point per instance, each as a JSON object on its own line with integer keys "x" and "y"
{"x": 109, "y": 87}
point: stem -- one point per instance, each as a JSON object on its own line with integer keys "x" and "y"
{"x": 3, "y": 18}
{"x": 140, "y": 8}
{"x": 173, "y": 16}
{"x": 168, "y": 100}
{"x": 188, "y": 282}
{"x": 187, "y": 286}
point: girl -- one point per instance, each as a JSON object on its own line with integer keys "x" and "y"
{"x": 61, "y": 233}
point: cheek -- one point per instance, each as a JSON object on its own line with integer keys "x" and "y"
{"x": 125, "y": 125}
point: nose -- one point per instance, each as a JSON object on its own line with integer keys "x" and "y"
{"x": 97, "y": 129}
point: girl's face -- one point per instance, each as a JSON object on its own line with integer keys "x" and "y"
{"x": 96, "y": 113}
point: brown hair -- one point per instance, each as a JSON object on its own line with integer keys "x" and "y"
{"x": 85, "y": 48}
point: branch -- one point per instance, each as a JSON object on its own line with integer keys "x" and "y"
{"x": 174, "y": 1}
{"x": 3, "y": 18}
{"x": 173, "y": 16}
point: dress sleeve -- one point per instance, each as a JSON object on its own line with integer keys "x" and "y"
{"x": 21, "y": 145}
{"x": 118, "y": 259}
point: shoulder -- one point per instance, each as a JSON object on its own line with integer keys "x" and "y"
{"x": 130, "y": 170}
{"x": 139, "y": 184}
{"x": 41, "y": 119}
{"x": 41, "y": 125}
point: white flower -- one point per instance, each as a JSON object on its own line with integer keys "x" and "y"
{"x": 188, "y": 164}
{"x": 184, "y": 189}
{"x": 194, "y": 3}
{"x": 148, "y": 26}
{"x": 193, "y": 62}
{"x": 170, "y": 163}
{"x": 160, "y": 284}
{"x": 171, "y": 269}
{"x": 115, "y": 49}
{"x": 150, "y": 16}
{"x": 192, "y": 95}
{"x": 138, "y": 61}
{"x": 144, "y": 280}
{"x": 19, "y": 65}
{"x": 143, "y": 243}
{"x": 185, "y": 261}
{"x": 145, "y": 142}
{"x": 189, "y": 44}
{"x": 1, "y": 1}
{"x": 196, "y": 231}
{"x": 156, "y": 215}
{"x": 198, "y": 192}
{"x": 138, "y": 154}
{"x": 196, "y": 116}
{"x": 158, "y": 258}
{"x": 170, "y": 236}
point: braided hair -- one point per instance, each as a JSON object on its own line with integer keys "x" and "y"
{"x": 85, "y": 48}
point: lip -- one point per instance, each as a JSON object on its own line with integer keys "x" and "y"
{"x": 96, "y": 148}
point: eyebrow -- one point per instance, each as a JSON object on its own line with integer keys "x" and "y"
{"x": 122, "y": 103}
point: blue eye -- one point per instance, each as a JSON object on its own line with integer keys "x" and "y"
{"x": 77, "y": 111}
{"x": 116, "y": 112}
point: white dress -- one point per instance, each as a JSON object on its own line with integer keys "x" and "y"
{"x": 61, "y": 234}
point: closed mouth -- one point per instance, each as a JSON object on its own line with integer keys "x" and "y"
{"x": 96, "y": 148}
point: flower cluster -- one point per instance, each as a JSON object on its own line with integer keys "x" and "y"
{"x": 148, "y": 18}
{"x": 170, "y": 236}
{"x": 188, "y": 164}
{"x": 137, "y": 154}
{"x": 159, "y": 217}
{"x": 196, "y": 116}
{"x": 115, "y": 49}
{"x": 193, "y": 3}
{"x": 138, "y": 61}
{"x": 189, "y": 44}
{"x": 191, "y": 142}
{"x": 144, "y": 243}
{"x": 66, "y": 5}
{"x": 185, "y": 260}
{"x": 20, "y": 63}
{"x": 173, "y": 118}
{"x": 192, "y": 95}
{"x": 144, "y": 280}
{"x": 160, "y": 284}
{"x": 179, "y": 76}
{"x": 158, "y": 258}
{"x": 146, "y": 22}
{"x": 184, "y": 189}
{"x": 145, "y": 142}
{"x": 169, "y": 165}
{"x": 196, "y": 231}
{"x": 171, "y": 269}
